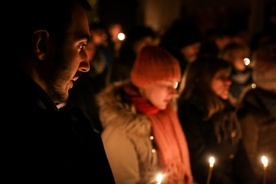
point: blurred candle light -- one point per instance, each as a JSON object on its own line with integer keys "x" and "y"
{"x": 121, "y": 36}
{"x": 211, "y": 165}
{"x": 265, "y": 164}
{"x": 159, "y": 178}
{"x": 246, "y": 61}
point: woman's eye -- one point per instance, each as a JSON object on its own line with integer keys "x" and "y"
{"x": 168, "y": 87}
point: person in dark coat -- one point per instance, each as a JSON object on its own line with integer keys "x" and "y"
{"x": 183, "y": 40}
{"x": 40, "y": 143}
{"x": 209, "y": 120}
{"x": 257, "y": 115}
{"x": 238, "y": 54}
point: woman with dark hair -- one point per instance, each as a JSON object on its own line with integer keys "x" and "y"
{"x": 209, "y": 120}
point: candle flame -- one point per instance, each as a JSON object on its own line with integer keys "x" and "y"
{"x": 159, "y": 178}
{"x": 246, "y": 61}
{"x": 264, "y": 161}
{"x": 211, "y": 161}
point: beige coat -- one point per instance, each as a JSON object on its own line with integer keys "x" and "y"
{"x": 126, "y": 138}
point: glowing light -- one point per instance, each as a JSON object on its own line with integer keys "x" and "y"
{"x": 211, "y": 165}
{"x": 121, "y": 36}
{"x": 265, "y": 164}
{"x": 246, "y": 61}
{"x": 159, "y": 178}
{"x": 211, "y": 161}
{"x": 175, "y": 85}
{"x": 264, "y": 161}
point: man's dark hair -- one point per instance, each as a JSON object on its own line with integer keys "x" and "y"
{"x": 51, "y": 15}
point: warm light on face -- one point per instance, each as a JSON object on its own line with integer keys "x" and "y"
{"x": 221, "y": 83}
{"x": 175, "y": 85}
{"x": 168, "y": 84}
{"x": 264, "y": 161}
{"x": 211, "y": 161}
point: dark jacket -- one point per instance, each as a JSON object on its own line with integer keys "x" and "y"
{"x": 41, "y": 144}
{"x": 203, "y": 143}
{"x": 258, "y": 121}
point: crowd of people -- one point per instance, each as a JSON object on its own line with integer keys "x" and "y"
{"x": 80, "y": 110}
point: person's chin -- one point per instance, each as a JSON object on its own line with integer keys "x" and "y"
{"x": 225, "y": 97}
{"x": 162, "y": 107}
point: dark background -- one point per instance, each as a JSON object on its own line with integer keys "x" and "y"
{"x": 251, "y": 16}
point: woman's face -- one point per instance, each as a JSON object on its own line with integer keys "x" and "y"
{"x": 160, "y": 93}
{"x": 191, "y": 51}
{"x": 221, "y": 83}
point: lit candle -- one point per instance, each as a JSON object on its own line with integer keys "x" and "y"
{"x": 159, "y": 178}
{"x": 246, "y": 61}
{"x": 211, "y": 165}
{"x": 265, "y": 164}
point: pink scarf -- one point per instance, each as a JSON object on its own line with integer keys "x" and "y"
{"x": 172, "y": 146}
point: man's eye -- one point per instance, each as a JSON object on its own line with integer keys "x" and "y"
{"x": 82, "y": 46}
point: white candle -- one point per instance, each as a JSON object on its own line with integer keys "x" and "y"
{"x": 211, "y": 165}
{"x": 265, "y": 164}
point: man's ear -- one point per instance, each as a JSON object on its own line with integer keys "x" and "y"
{"x": 39, "y": 39}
